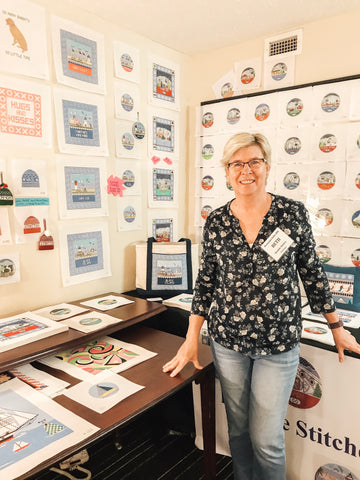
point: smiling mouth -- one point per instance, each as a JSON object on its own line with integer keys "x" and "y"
{"x": 247, "y": 182}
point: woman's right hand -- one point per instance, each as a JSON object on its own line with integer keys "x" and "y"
{"x": 188, "y": 352}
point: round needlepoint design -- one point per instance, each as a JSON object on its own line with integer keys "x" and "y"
{"x": 324, "y": 253}
{"x": 186, "y": 300}
{"x": 292, "y": 145}
{"x": 247, "y": 75}
{"x": 207, "y": 182}
{"x": 7, "y": 268}
{"x": 333, "y": 471}
{"x": 307, "y": 390}
{"x": 291, "y": 180}
{"x": 355, "y": 257}
{"x": 206, "y": 209}
{"x": 90, "y": 321}
{"x": 107, "y": 301}
{"x": 355, "y": 219}
{"x": 127, "y": 62}
{"x": 227, "y": 90}
{"x": 103, "y": 389}
{"x": 233, "y": 116}
{"x": 262, "y": 112}
{"x": 207, "y": 151}
{"x": 294, "y": 107}
{"x": 326, "y": 180}
{"x": 279, "y": 71}
{"x": 208, "y": 120}
{"x": 127, "y": 102}
{"x": 129, "y": 178}
{"x": 330, "y": 102}
{"x": 129, "y": 214}
{"x": 138, "y": 130}
{"x": 324, "y": 217}
{"x": 328, "y": 143}
{"x": 32, "y": 225}
{"x": 127, "y": 141}
{"x": 60, "y": 311}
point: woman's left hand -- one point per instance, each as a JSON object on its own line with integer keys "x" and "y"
{"x": 344, "y": 341}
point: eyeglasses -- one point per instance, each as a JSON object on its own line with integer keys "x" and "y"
{"x": 253, "y": 164}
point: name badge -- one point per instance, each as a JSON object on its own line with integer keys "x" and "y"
{"x": 277, "y": 244}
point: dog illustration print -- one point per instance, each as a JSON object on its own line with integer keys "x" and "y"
{"x": 18, "y": 37}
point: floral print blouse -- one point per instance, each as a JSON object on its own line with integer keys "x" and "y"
{"x": 252, "y": 302}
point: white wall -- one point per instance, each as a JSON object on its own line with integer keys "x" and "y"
{"x": 329, "y": 51}
{"x": 41, "y": 282}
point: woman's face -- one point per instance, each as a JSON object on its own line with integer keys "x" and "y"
{"x": 246, "y": 180}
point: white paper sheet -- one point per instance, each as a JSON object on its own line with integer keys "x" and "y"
{"x": 332, "y": 101}
{"x": 279, "y": 73}
{"x": 84, "y": 252}
{"x": 225, "y": 86}
{"x": 81, "y": 122}
{"x": 329, "y": 249}
{"x": 108, "y": 302}
{"x": 233, "y": 116}
{"x": 26, "y": 327}
{"x": 292, "y": 180}
{"x": 248, "y": 73}
{"x": 5, "y": 232}
{"x": 29, "y": 214}
{"x": 329, "y": 143}
{"x": 127, "y": 62}
{"x": 130, "y": 172}
{"x": 350, "y": 252}
{"x": 79, "y": 56}
{"x": 294, "y": 145}
{"x": 23, "y": 41}
{"x": 129, "y": 213}
{"x": 325, "y": 215}
{"x": 29, "y": 177}
{"x": 127, "y": 100}
{"x": 103, "y": 356}
{"x": 127, "y": 146}
{"x": 41, "y": 381}
{"x": 211, "y": 150}
{"x": 318, "y": 332}
{"x": 295, "y": 107}
{"x": 263, "y": 111}
{"x": 60, "y": 311}
{"x": 351, "y": 219}
{"x": 42, "y": 428}
{"x": 91, "y": 321}
{"x": 327, "y": 180}
{"x": 350, "y": 319}
{"x": 352, "y": 181}
{"x": 353, "y": 142}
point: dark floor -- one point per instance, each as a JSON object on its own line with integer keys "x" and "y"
{"x": 151, "y": 450}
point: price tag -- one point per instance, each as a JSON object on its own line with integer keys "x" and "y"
{"x": 277, "y": 244}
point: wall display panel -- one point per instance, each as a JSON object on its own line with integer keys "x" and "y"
{"x": 23, "y": 45}
{"x": 279, "y": 73}
{"x": 320, "y": 168}
{"x": 295, "y": 106}
{"x": 79, "y": 56}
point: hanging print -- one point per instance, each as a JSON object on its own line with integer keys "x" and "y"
{"x": 129, "y": 211}
{"x": 163, "y": 225}
{"x": 127, "y": 62}
{"x": 164, "y": 91}
{"x": 248, "y": 73}
{"x": 81, "y": 125}
{"x": 280, "y": 73}
{"x": 25, "y": 114}
{"x": 9, "y": 268}
{"x": 23, "y": 42}
{"x": 84, "y": 253}
{"x": 127, "y": 100}
{"x": 78, "y": 56}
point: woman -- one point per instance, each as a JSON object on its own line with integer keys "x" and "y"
{"x": 247, "y": 289}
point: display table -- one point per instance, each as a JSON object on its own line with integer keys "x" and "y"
{"x": 158, "y": 385}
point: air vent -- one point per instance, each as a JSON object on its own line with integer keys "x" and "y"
{"x": 284, "y": 45}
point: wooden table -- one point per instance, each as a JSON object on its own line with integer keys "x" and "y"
{"x": 158, "y": 385}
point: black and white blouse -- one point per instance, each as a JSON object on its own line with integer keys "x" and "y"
{"x": 255, "y": 301}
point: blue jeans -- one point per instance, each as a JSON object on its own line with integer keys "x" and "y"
{"x": 256, "y": 391}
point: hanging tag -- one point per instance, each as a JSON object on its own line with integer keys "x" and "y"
{"x": 6, "y": 197}
{"x": 277, "y": 244}
{"x": 138, "y": 129}
{"x": 46, "y": 241}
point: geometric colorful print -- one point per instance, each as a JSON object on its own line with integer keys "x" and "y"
{"x": 96, "y": 356}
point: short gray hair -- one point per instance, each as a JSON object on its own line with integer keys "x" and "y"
{"x": 245, "y": 139}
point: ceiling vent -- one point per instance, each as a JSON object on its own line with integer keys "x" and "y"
{"x": 283, "y": 45}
